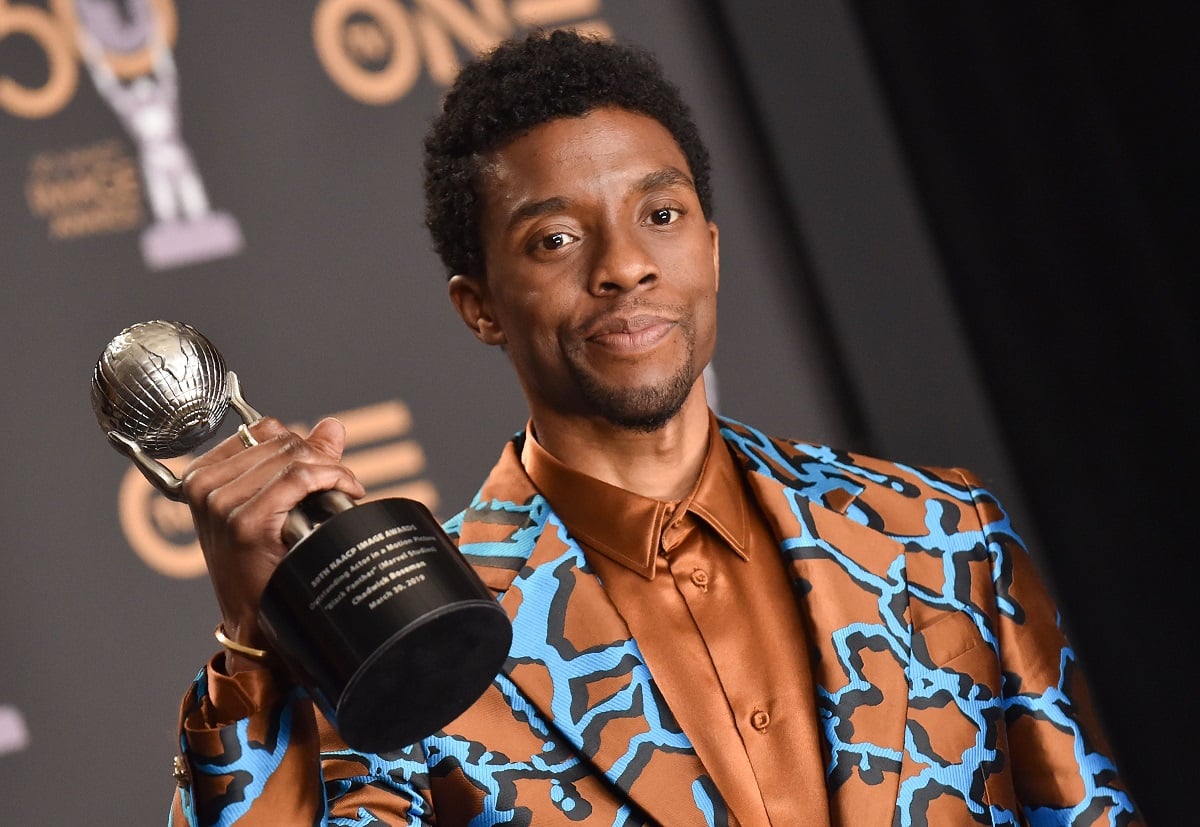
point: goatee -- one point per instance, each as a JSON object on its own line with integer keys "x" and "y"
{"x": 644, "y": 409}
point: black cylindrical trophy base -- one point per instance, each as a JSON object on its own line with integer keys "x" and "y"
{"x": 385, "y": 624}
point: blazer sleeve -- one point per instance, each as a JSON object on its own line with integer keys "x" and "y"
{"x": 257, "y": 752}
{"x": 1062, "y": 764}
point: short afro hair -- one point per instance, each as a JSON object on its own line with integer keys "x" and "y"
{"x": 518, "y": 86}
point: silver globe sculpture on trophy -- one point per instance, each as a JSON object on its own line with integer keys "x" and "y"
{"x": 373, "y": 609}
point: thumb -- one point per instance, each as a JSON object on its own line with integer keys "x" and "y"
{"x": 329, "y": 435}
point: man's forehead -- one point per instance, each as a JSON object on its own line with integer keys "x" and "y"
{"x": 610, "y": 139}
{"x": 607, "y": 114}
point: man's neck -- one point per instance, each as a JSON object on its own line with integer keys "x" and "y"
{"x": 663, "y": 464}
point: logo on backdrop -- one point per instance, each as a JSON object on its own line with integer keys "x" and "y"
{"x": 374, "y": 50}
{"x": 89, "y": 190}
{"x": 125, "y": 48}
{"x": 378, "y": 450}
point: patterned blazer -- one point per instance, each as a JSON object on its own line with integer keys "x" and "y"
{"x": 946, "y": 692}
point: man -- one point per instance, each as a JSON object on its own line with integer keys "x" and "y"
{"x": 710, "y": 626}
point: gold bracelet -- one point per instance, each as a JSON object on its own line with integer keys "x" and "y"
{"x": 241, "y": 648}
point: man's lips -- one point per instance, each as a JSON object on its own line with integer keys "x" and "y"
{"x": 630, "y": 332}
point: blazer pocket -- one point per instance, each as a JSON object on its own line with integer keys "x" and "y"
{"x": 950, "y": 636}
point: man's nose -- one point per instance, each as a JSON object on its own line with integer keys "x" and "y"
{"x": 622, "y": 264}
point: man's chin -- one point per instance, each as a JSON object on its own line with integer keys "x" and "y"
{"x": 642, "y": 423}
{"x": 643, "y": 410}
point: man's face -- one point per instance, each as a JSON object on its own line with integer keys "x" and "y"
{"x": 601, "y": 269}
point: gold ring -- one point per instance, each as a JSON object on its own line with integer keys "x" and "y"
{"x": 245, "y": 436}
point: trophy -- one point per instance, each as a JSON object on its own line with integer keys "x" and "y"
{"x": 373, "y": 609}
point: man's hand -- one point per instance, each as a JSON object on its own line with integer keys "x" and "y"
{"x": 239, "y": 499}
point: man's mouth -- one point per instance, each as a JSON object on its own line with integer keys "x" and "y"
{"x": 630, "y": 333}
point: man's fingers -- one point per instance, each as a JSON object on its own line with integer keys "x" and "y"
{"x": 253, "y": 507}
{"x": 329, "y": 435}
{"x": 298, "y": 465}
{"x": 263, "y": 430}
{"x": 231, "y": 459}
{"x": 295, "y": 473}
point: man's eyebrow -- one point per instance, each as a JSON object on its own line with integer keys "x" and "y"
{"x": 665, "y": 177}
{"x": 533, "y": 209}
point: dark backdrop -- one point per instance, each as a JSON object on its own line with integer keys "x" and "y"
{"x": 1049, "y": 152}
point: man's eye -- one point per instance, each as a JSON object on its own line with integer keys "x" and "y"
{"x": 555, "y": 241}
{"x": 664, "y": 216}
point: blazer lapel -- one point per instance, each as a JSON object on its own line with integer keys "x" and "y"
{"x": 851, "y": 586}
{"x": 572, "y": 656}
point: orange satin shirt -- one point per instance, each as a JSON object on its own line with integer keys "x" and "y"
{"x": 703, "y": 590}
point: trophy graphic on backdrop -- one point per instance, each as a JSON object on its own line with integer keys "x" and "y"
{"x": 373, "y": 609}
{"x": 184, "y": 229}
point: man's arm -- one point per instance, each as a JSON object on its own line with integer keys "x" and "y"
{"x": 248, "y": 747}
{"x": 252, "y": 747}
{"x": 1062, "y": 764}
{"x": 254, "y": 752}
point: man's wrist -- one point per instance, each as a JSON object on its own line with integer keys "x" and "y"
{"x": 236, "y": 663}
{"x": 241, "y": 656}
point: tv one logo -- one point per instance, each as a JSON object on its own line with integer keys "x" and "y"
{"x": 375, "y": 49}
{"x": 378, "y": 450}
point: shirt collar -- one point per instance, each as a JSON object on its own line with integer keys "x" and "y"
{"x": 627, "y": 527}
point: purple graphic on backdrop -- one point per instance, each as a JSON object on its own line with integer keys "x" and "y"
{"x": 184, "y": 229}
{"x": 14, "y": 736}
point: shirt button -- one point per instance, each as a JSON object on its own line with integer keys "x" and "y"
{"x": 760, "y": 720}
{"x": 700, "y": 579}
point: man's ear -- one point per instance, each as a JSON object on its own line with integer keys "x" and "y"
{"x": 716, "y": 251}
{"x": 470, "y": 297}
